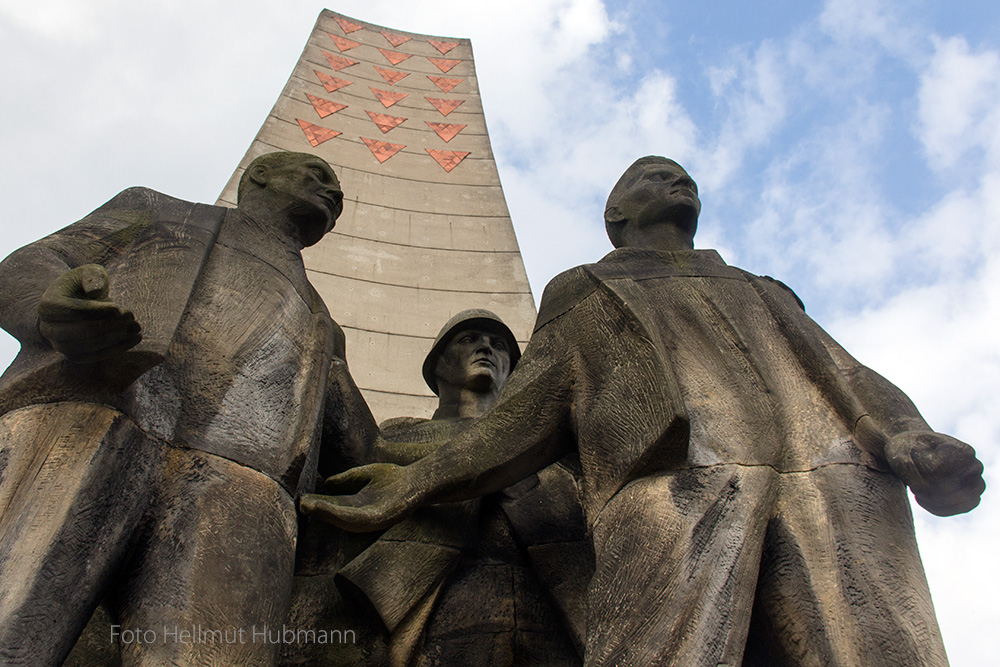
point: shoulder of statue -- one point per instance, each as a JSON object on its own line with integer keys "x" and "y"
{"x": 139, "y": 197}
{"x": 774, "y": 282}
{"x": 157, "y": 204}
{"x": 564, "y": 292}
{"x": 141, "y": 206}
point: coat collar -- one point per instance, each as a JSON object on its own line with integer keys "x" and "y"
{"x": 646, "y": 264}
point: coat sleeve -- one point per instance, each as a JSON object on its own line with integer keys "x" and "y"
{"x": 97, "y": 239}
{"x": 532, "y": 424}
{"x": 884, "y": 402}
{"x": 891, "y": 409}
{"x": 349, "y": 429}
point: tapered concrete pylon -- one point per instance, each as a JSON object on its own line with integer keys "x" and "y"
{"x": 418, "y": 241}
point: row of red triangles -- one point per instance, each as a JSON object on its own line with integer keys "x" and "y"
{"x": 393, "y": 38}
{"x": 382, "y": 150}
{"x": 384, "y": 122}
{"x": 386, "y": 97}
{"x": 394, "y": 57}
{"x": 332, "y": 83}
{"x": 340, "y": 62}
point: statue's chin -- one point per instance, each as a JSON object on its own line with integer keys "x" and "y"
{"x": 481, "y": 380}
{"x": 314, "y": 230}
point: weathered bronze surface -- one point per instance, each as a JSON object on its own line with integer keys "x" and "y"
{"x": 161, "y": 418}
{"x": 494, "y": 581}
{"x": 744, "y": 478}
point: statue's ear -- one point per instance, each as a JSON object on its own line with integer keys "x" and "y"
{"x": 614, "y": 223}
{"x": 613, "y": 214}
{"x": 258, "y": 175}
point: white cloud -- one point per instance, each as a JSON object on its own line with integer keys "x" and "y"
{"x": 958, "y": 103}
{"x": 533, "y": 58}
{"x": 752, "y": 89}
{"x": 819, "y": 213}
{"x": 62, "y": 20}
{"x": 561, "y": 191}
{"x": 859, "y": 23}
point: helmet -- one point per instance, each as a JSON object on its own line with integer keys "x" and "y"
{"x": 474, "y": 318}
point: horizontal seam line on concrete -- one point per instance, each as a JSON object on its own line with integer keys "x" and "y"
{"x": 385, "y": 333}
{"x": 414, "y": 245}
{"x": 412, "y": 180}
{"x": 329, "y": 16}
{"x": 416, "y": 287}
{"x": 404, "y": 335}
{"x": 359, "y": 100}
{"x": 451, "y": 74}
{"x": 392, "y": 208}
{"x": 428, "y": 247}
{"x": 397, "y": 393}
{"x": 346, "y": 137}
{"x": 445, "y": 119}
{"x": 350, "y": 96}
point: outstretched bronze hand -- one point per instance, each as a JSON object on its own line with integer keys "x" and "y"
{"x": 366, "y": 498}
{"x": 77, "y": 318}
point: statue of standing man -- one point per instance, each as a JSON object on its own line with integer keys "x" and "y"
{"x": 744, "y": 477}
{"x": 163, "y": 415}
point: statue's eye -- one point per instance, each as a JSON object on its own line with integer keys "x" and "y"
{"x": 319, "y": 172}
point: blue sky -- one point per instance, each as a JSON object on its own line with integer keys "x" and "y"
{"x": 850, "y": 148}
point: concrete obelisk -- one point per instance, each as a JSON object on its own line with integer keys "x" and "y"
{"x": 425, "y": 231}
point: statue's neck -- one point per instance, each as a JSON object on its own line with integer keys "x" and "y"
{"x": 460, "y": 403}
{"x": 662, "y": 237}
{"x": 256, "y": 232}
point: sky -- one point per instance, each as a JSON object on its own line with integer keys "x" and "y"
{"x": 850, "y": 148}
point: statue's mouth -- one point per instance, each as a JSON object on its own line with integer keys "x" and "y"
{"x": 330, "y": 201}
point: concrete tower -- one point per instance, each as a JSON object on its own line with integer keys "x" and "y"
{"x": 425, "y": 231}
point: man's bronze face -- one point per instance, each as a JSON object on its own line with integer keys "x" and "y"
{"x": 474, "y": 359}
{"x": 659, "y": 191}
{"x": 313, "y": 192}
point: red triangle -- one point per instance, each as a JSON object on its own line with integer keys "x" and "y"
{"x": 316, "y": 134}
{"x": 444, "y": 64}
{"x": 391, "y": 75}
{"x": 395, "y": 39}
{"x": 382, "y": 150}
{"x": 347, "y": 26}
{"x": 394, "y": 56}
{"x": 444, "y": 106}
{"x": 386, "y": 97}
{"x": 444, "y": 84}
{"x": 447, "y": 159}
{"x": 339, "y": 62}
{"x": 385, "y": 122}
{"x": 343, "y": 43}
{"x": 446, "y": 131}
{"x": 331, "y": 83}
{"x": 323, "y": 106}
{"x": 443, "y": 47}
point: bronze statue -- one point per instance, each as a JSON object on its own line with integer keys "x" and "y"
{"x": 493, "y": 581}
{"x": 163, "y": 415}
{"x": 743, "y": 476}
